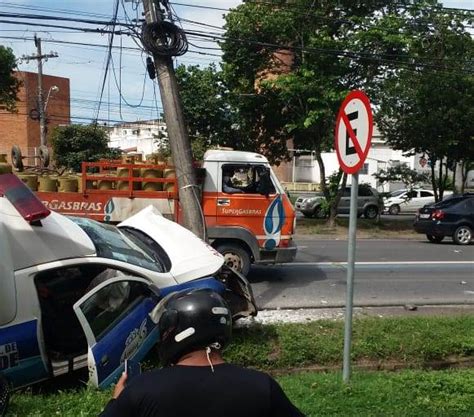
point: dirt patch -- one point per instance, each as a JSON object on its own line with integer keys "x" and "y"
{"x": 366, "y": 229}
{"x": 384, "y": 365}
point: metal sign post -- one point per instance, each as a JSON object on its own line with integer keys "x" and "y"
{"x": 353, "y": 137}
{"x": 346, "y": 366}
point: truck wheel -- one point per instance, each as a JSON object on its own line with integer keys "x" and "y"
{"x": 394, "y": 209}
{"x": 235, "y": 257}
{"x": 371, "y": 212}
{"x": 4, "y": 395}
{"x": 17, "y": 159}
{"x": 462, "y": 235}
{"x": 434, "y": 239}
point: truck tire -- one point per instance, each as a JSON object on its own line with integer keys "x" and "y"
{"x": 235, "y": 257}
{"x": 371, "y": 212}
{"x": 4, "y": 395}
{"x": 17, "y": 159}
{"x": 462, "y": 235}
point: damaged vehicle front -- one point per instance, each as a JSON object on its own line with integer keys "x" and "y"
{"x": 77, "y": 293}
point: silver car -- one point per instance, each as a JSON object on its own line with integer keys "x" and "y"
{"x": 369, "y": 204}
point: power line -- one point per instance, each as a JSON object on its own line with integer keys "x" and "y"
{"x": 109, "y": 56}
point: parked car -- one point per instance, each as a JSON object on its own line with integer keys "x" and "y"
{"x": 76, "y": 293}
{"x": 409, "y": 201}
{"x": 453, "y": 217}
{"x": 369, "y": 203}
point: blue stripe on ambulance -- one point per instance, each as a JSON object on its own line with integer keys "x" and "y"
{"x": 20, "y": 357}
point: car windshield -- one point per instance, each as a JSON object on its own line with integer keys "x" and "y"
{"x": 397, "y": 193}
{"x": 120, "y": 245}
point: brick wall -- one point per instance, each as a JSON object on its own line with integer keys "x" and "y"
{"x": 20, "y": 128}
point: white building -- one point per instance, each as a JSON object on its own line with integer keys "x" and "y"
{"x": 380, "y": 156}
{"x": 142, "y": 137}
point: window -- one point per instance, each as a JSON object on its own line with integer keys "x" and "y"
{"x": 411, "y": 194}
{"x": 426, "y": 194}
{"x": 364, "y": 170}
{"x": 365, "y": 192}
{"x": 108, "y": 306}
{"x": 347, "y": 192}
{"x": 123, "y": 245}
{"x": 245, "y": 179}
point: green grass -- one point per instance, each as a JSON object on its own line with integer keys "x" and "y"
{"x": 403, "y": 394}
{"x": 414, "y": 341}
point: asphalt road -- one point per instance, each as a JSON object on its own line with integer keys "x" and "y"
{"x": 388, "y": 272}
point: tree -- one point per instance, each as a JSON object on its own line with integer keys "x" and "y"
{"x": 76, "y": 143}
{"x": 9, "y": 84}
{"x": 287, "y": 68}
{"x": 426, "y": 105}
{"x": 206, "y": 108}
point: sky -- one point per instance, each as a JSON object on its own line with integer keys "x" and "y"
{"x": 84, "y": 64}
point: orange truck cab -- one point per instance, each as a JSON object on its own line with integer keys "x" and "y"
{"x": 248, "y": 215}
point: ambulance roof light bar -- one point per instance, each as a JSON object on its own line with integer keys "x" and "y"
{"x": 22, "y": 198}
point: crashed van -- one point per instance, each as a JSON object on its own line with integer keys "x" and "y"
{"x": 77, "y": 293}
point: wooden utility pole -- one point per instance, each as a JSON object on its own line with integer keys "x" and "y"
{"x": 41, "y": 110}
{"x": 177, "y": 133}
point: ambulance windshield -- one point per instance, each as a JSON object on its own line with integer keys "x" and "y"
{"x": 120, "y": 245}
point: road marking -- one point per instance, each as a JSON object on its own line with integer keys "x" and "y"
{"x": 383, "y": 263}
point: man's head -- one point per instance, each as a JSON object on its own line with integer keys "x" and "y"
{"x": 191, "y": 320}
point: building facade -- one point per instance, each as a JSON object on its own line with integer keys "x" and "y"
{"x": 22, "y": 128}
{"x": 143, "y": 137}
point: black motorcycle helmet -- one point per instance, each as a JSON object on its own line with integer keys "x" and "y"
{"x": 190, "y": 320}
{"x": 4, "y": 395}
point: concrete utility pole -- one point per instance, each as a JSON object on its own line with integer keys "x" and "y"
{"x": 177, "y": 133}
{"x": 41, "y": 110}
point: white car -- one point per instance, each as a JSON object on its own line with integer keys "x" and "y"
{"x": 409, "y": 201}
{"x": 77, "y": 293}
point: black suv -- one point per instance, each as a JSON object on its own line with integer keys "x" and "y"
{"x": 452, "y": 217}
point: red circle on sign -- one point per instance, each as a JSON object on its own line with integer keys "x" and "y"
{"x": 354, "y": 95}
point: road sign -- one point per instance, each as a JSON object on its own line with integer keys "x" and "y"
{"x": 353, "y": 135}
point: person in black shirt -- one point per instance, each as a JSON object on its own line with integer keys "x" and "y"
{"x": 194, "y": 326}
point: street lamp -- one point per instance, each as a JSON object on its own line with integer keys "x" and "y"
{"x": 54, "y": 89}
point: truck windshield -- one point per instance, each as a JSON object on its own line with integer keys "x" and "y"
{"x": 120, "y": 245}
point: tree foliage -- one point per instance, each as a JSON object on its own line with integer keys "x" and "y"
{"x": 414, "y": 60}
{"x": 206, "y": 108}
{"x": 76, "y": 143}
{"x": 428, "y": 107}
{"x": 9, "y": 84}
{"x": 290, "y": 70}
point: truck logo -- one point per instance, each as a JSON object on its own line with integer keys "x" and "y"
{"x": 108, "y": 210}
{"x": 273, "y": 222}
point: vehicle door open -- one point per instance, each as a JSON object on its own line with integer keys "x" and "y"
{"x": 115, "y": 318}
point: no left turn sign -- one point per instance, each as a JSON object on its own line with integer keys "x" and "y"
{"x": 353, "y": 135}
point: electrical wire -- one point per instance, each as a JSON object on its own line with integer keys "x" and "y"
{"x": 109, "y": 57}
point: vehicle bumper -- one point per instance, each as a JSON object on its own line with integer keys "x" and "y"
{"x": 278, "y": 255}
{"x": 434, "y": 228}
{"x": 238, "y": 294}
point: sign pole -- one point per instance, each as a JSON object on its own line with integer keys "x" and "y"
{"x": 353, "y": 136}
{"x": 346, "y": 370}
